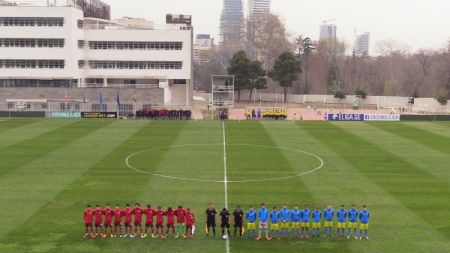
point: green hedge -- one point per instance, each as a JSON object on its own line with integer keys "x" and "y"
{"x": 425, "y": 117}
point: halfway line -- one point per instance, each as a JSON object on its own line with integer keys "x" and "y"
{"x": 225, "y": 179}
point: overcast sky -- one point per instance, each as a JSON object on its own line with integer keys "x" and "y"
{"x": 417, "y": 23}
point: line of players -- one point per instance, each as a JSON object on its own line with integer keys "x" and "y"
{"x": 108, "y": 218}
{"x": 291, "y": 223}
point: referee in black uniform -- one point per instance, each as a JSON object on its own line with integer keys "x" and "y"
{"x": 238, "y": 220}
{"x": 225, "y": 215}
{"x": 211, "y": 219}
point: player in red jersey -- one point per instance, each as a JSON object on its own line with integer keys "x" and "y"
{"x": 108, "y": 212}
{"x": 118, "y": 214}
{"x": 149, "y": 213}
{"x": 160, "y": 222}
{"x": 138, "y": 211}
{"x": 190, "y": 221}
{"x": 98, "y": 215}
{"x": 181, "y": 219}
{"x": 88, "y": 215}
{"x": 170, "y": 221}
{"x": 128, "y": 213}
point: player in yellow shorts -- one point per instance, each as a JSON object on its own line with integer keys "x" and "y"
{"x": 364, "y": 217}
{"x": 341, "y": 215}
{"x": 316, "y": 217}
{"x": 251, "y": 223}
{"x": 352, "y": 216}
{"x": 275, "y": 217}
{"x": 295, "y": 222}
{"x": 285, "y": 218}
{"x": 328, "y": 214}
{"x": 305, "y": 214}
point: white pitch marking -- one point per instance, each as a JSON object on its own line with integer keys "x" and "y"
{"x": 225, "y": 179}
{"x": 322, "y": 163}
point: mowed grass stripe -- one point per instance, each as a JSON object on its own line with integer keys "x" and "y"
{"x": 35, "y": 184}
{"x": 29, "y": 130}
{"x": 6, "y": 125}
{"x": 341, "y": 182}
{"x": 424, "y": 137}
{"x": 273, "y": 193}
{"x": 205, "y": 162}
{"x": 422, "y": 193}
{"x": 288, "y": 135}
{"x": 430, "y": 160}
{"x": 109, "y": 180}
{"x": 31, "y": 149}
{"x": 434, "y": 127}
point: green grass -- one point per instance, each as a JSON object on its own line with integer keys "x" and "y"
{"x": 50, "y": 169}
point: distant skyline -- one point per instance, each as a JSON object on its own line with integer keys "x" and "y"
{"x": 417, "y": 23}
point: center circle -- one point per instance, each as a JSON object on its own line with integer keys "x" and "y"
{"x": 155, "y": 154}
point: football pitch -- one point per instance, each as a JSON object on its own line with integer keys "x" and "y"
{"x": 51, "y": 169}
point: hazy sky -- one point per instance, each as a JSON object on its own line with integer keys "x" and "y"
{"x": 417, "y": 23}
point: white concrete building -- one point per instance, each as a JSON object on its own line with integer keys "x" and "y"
{"x": 203, "y": 43}
{"x": 362, "y": 44}
{"x": 328, "y": 32}
{"x": 257, "y": 8}
{"x": 58, "y": 46}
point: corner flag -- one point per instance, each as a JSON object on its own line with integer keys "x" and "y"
{"x": 118, "y": 98}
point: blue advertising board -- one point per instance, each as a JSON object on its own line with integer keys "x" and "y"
{"x": 345, "y": 117}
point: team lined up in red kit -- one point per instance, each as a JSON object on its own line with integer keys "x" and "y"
{"x": 110, "y": 219}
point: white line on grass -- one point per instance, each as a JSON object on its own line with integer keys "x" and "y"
{"x": 130, "y": 166}
{"x": 225, "y": 179}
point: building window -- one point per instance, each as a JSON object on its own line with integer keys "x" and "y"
{"x": 50, "y": 43}
{"x": 80, "y": 24}
{"x": 81, "y": 44}
{"x": 81, "y": 64}
{"x": 179, "y": 81}
{"x": 34, "y": 83}
{"x": 31, "y": 21}
{"x": 134, "y": 45}
{"x": 135, "y": 65}
{"x": 32, "y": 64}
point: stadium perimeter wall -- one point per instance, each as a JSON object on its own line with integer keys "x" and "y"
{"x": 421, "y": 105}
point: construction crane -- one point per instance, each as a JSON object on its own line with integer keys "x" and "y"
{"x": 329, "y": 20}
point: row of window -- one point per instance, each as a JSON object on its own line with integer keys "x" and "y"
{"x": 32, "y": 64}
{"x": 33, "y": 83}
{"x": 32, "y": 43}
{"x": 135, "y": 45}
{"x": 135, "y": 65}
{"x": 60, "y": 64}
{"x": 31, "y": 21}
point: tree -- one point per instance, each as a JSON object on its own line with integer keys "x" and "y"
{"x": 361, "y": 93}
{"x": 203, "y": 73}
{"x": 248, "y": 74}
{"x": 391, "y": 88}
{"x": 266, "y": 38}
{"x": 442, "y": 100}
{"x": 285, "y": 71}
{"x": 305, "y": 47}
{"x": 256, "y": 77}
{"x": 340, "y": 94}
{"x": 240, "y": 68}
